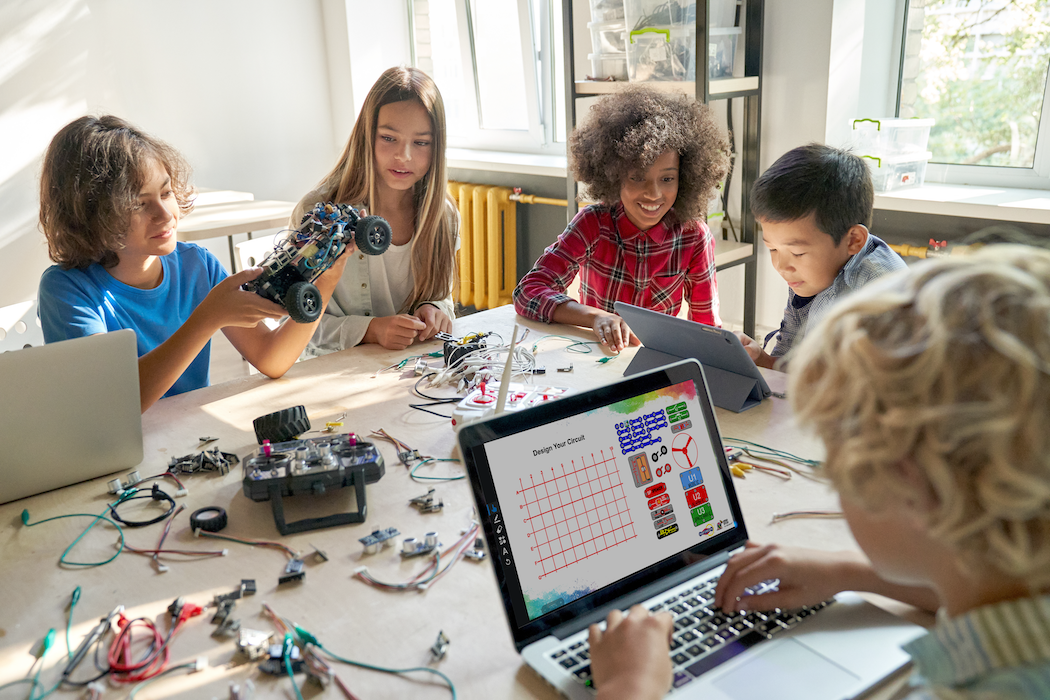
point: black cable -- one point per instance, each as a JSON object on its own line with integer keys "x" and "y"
{"x": 435, "y": 399}
{"x": 155, "y": 494}
{"x": 103, "y": 672}
{"x": 98, "y": 666}
{"x": 420, "y": 407}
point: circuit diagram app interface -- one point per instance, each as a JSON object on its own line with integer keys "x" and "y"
{"x": 601, "y": 495}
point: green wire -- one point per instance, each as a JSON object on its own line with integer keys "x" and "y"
{"x": 46, "y": 694}
{"x": 412, "y": 472}
{"x": 307, "y": 638}
{"x": 287, "y": 654}
{"x": 45, "y": 646}
{"x": 393, "y": 671}
{"x": 401, "y": 365}
{"x": 20, "y": 681}
{"x": 69, "y": 621}
{"x": 770, "y": 451}
{"x": 575, "y": 344}
{"x": 62, "y": 559}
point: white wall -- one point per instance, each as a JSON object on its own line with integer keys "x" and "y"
{"x": 379, "y": 39}
{"x": 795, "y": 67}
{"x": 865, "y": 35}
{"x": 255, "y": 94}
{"x": 241, "y": 87}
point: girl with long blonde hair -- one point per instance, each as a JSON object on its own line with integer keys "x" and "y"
{"x": 393, "y": 166}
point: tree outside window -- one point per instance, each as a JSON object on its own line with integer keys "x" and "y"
{"x": 979, "y": 67}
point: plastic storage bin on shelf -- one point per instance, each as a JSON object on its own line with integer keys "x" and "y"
{"x": 608, "y": 37}
{"x": 661, "y": 53}
{"x": 673, "y": 13}
{"x": 608, "y": 66}
{"x": 661, "y": 39}
{"x": 669, "y": 53}
{"x": 890, "y": 137}
{"x": 898, "y": 171}
{"x": 721, "y": 51}
{"x": 606, "y": 10}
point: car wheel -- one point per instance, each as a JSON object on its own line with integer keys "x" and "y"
{"x": 372, "y": 235}
{"x": 303, "y": 302}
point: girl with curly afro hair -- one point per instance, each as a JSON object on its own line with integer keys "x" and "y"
{"x": 652, "y": 161}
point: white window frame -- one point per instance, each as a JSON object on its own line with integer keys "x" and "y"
{"x": 539, "y": 137}
{"x": 1036, "y": 177}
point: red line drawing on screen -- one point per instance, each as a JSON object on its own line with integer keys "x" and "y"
{"x": 685, "y": 445}
{"x": 576, "y": 514}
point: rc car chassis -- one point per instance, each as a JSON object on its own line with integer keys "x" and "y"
{"x": 301, "y": 257}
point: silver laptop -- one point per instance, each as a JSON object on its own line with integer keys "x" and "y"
{"x": 622, "y": 495}
{"x": 70, "y": 412}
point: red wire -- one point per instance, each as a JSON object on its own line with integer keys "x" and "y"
{"x": 167, "y": 526}
{"x": 123, "y": 668}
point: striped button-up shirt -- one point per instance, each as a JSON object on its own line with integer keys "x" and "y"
{"x": 999, "y": 651}
{"x": 656, "y": 269}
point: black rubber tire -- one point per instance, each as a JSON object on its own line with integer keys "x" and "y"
{"x": 303, "y": 302}
{"x": 372, "y": 235}
{"x": 281, "y": 426}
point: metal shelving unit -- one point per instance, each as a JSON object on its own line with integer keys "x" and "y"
{"x": 747, "y": 87}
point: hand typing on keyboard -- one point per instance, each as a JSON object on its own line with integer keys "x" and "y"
{"x": 805, "y": 577}
{"x": 629, "y": 657}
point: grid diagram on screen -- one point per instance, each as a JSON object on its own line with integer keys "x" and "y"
{"x": 576, "y": 514}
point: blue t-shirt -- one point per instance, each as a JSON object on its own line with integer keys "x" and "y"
{"x": 76, "y": 303}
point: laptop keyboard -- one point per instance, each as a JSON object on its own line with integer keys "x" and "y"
{"x": 703, "y": 636}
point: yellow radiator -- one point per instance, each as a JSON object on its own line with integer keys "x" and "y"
{"x": 488, "y": 244}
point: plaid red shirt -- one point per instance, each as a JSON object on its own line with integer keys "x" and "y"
{"x": 654, "y": 269}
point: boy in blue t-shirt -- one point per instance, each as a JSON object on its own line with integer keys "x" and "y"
{"x": 110, "y": 202}
{"x": 815, "y": 206}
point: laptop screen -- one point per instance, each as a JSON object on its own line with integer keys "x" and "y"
{"x": 601, "y": 493}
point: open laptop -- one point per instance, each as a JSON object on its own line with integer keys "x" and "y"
{"x": 70, "y": 412}
{"x": 732, "y": 377}
{"x": 622, "y": 495}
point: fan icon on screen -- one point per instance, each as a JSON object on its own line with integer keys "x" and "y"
{"x": 685, "y": 450}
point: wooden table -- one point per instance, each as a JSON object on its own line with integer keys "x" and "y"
{"x": 348, "y": 616}
{"x": 230, "y": 218}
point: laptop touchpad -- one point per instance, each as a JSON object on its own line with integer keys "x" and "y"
{"x": 787, "y": 670}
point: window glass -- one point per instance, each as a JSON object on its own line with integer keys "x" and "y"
{"x": 438, "y": 54}
{"x": 979, "y": 67}
{"x": 498, "y": 62}
{"x": 500, "y": 69}
{"x": 558, "y": 68}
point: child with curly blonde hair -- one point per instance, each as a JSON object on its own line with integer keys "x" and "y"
{"x": 930, "y": 389}
{"x": 652, "y": 160}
